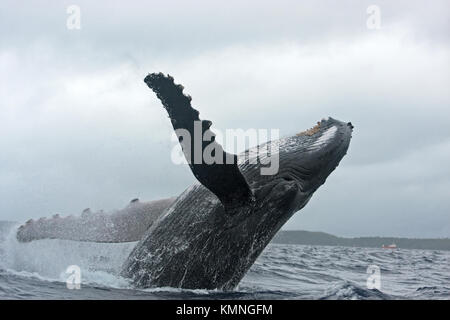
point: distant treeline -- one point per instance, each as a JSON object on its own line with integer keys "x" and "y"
{"x": 325, "y": 239}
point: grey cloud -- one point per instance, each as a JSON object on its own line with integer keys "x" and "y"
{"x": 80, "y": 129}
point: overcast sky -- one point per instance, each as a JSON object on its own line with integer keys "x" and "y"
{"x": 79, "y": 128}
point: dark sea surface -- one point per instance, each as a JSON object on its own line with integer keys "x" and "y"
{"x": 37, "y": 270}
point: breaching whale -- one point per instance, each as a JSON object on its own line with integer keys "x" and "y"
{"x": 210, "y": 235}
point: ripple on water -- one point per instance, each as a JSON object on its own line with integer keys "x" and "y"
{"x": 36, "y": 271}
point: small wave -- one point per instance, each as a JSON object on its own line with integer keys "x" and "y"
{"x": 435, "y": 289}
{"x": 348, "y": 290}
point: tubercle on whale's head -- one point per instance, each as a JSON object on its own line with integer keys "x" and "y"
{"x": 310, "y": 131}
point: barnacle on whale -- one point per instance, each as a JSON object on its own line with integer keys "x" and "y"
{"x": 310, "y": 131}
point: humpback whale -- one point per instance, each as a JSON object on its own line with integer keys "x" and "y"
{"x": 210, "y": 235}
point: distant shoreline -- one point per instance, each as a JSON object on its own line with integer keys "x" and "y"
{"x": 326, "y": 239}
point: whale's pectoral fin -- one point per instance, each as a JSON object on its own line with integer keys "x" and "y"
{"x": 216, "y": 169}
{"x": 128, "y": 224}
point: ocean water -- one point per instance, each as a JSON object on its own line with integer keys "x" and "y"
{"x": 37, "y": 270}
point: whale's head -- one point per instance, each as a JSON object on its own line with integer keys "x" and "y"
{"x": 305, "y": 160}
{"x": 315, "y": 153}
